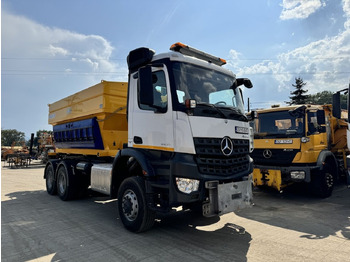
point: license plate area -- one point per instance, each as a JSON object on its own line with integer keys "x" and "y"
{"x": 226, "y": 198}
{"x": 234, "y": 196}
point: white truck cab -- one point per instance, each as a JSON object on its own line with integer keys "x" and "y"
{"x": 187, "y": 144}
{"x": 187, "y": 113}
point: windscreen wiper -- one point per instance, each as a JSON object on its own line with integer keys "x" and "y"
{"x": 236, "y": 112}
{"x": 214, "y": 107}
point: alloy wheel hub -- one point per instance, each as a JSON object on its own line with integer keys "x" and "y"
{"x": 130, "y": 205}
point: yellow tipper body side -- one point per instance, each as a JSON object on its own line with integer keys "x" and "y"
{"x": 106, "y": 102}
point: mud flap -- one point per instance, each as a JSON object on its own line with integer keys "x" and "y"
{"x": 226, "y": 198}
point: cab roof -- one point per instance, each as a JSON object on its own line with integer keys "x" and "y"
{"x": 285, "y": 108}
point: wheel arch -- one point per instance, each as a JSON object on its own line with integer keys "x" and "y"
{"x": 69, "y": 165}
{"x": 54, "y": 164}
{"x": 327, "y": 157}
{"x": 127, "y": 163}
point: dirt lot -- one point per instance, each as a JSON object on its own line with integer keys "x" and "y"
{"x": 280, "y": 227}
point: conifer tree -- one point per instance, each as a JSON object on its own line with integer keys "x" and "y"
{"x": 298, "y": 95}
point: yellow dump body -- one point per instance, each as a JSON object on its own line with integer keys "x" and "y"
{"x": 92, "y": 121}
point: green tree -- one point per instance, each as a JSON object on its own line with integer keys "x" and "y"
{"x": 9, "y": 136}
{"x": 39, "y": 133}
{"x": 325, "y": 97}
{"x": 321, "y": 98}
{"x": 298, "y": 95}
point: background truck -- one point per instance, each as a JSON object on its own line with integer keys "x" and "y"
{"x": 302, "y": 143}
{"x": 337, "y": 111}
{"x": 174, "y": 135}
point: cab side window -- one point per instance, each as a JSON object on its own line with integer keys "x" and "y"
{"x": 160, "y": 97}
{"x": 316, "y": 122}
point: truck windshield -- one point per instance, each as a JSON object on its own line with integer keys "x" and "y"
{"x": 279, "y": 124}
{"x": 211, "y": 89}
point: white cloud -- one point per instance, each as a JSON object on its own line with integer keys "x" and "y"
{"x": 24, "y": 38}
{"x": 299, "y": 9}
{"x": 323, "y": 64}
{"x": 346, "y": 8}
{"x": 42, "y": 64}
{"x": 234, "y": 58}
{"x": 234, "y": 54}
{"x": 57, "y": 50}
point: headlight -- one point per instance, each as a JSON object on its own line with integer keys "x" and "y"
{"x": 186, "y": 185}
{"x": 305, "y": 139}
{"x": 297, "y": 175}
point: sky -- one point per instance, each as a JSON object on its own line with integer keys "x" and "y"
{"x": 52, "y": 49}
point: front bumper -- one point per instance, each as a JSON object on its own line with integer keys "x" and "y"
{"x": 184, "y": 166}
{"x": 226, "y": 198}
{"x": 279, "y": 177}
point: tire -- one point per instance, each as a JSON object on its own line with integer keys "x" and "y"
{"x": 323, "y": 182}
{"x": 66, "y": 188}
{"x": 51, "y": 186}
{"x": 132, "y": 206}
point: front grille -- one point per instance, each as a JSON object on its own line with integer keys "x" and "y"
{"x": 279, "y": 157}
{"x": 212, "y": 161}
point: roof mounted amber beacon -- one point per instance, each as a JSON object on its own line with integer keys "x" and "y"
{"x": 190, "y": 51}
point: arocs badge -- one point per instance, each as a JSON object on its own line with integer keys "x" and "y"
{"x": 241, "y": 130}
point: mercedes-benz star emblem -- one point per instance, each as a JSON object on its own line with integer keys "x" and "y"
{"x": 226, "y": 146}
{"x": 267, "y": 153}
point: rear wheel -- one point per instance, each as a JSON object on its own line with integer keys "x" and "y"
{"x": 66, "y": 189}
{"x": 132, "y": 206}
{"x": 323, "y": 182}
{"x": 51, "y": 186}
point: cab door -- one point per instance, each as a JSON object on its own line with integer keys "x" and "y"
{"x": 150, "y": 112}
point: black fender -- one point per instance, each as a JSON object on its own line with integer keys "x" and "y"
{"x": 69, "y": 165}
{"x": 327, "y": 157}
{"x": 54, "y": 164}
{"x": 119, "y": 167}
{"x": 140, "y": 156}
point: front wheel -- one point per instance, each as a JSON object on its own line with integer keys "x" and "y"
{"x": 132, "y": 206}
{"x": 323, "y": 182}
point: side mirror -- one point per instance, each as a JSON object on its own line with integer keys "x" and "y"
{"x": 336, "y": 111}
{"x": 145, "y": 86}
{"x": 247, "y": 83}
{"x": 253, "y": 115}
{"x": 139, "y": 57}
{"x": 244, "y": 81}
